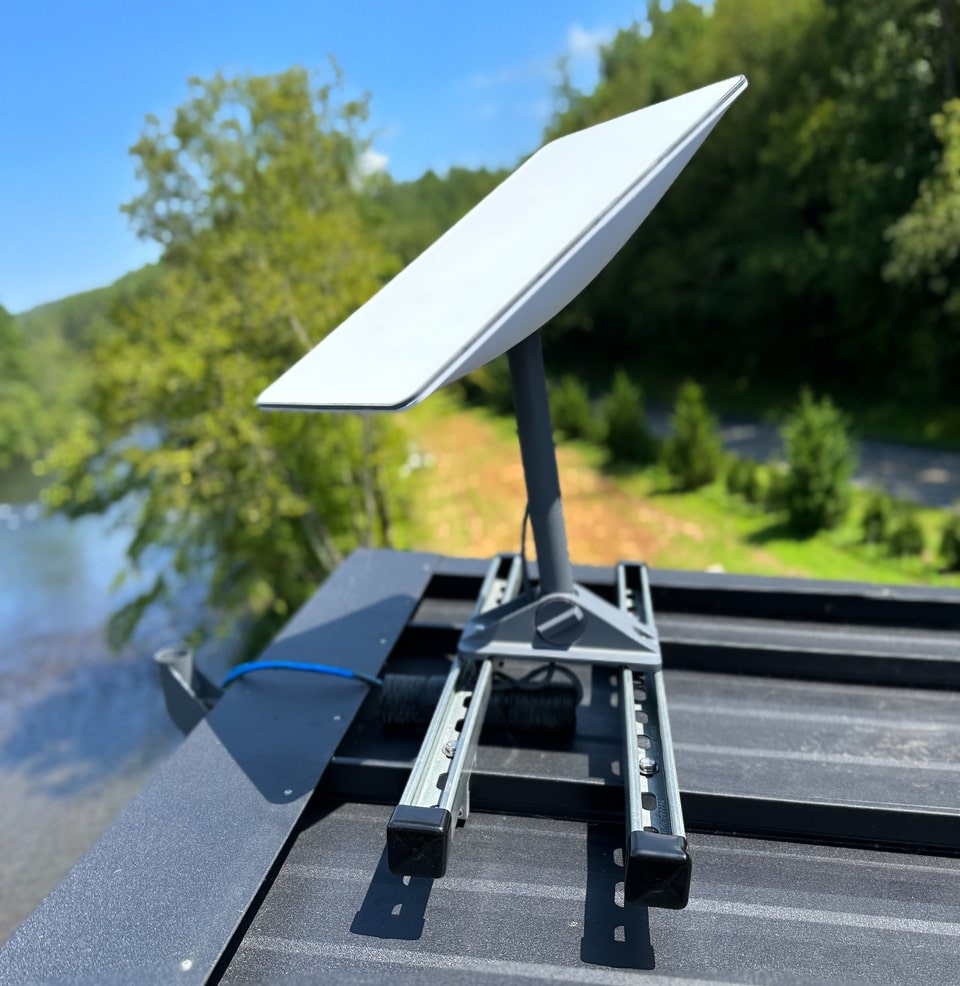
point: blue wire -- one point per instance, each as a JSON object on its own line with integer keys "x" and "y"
{"x": 241, "y": 669}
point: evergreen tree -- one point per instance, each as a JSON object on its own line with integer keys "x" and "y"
{"x": 626, "y": 436}
{"x": 821, "y": 461}
{"x": 692, "y": 451}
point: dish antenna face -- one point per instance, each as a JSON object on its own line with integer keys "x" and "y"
{"x": 514, "y": 261}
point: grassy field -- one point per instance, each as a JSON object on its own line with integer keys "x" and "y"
{"x": 470, "y": 499}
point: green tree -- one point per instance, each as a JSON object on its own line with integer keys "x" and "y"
{"x": 950, "y": 542}
{"x": 22, "y": 413}
{"x": 878, "y": 516}
{"x": 625, "y": 431}
{"x": 570, "y": 409}
{"x": 743, "y": 479}
{"x": 415, "y": 213}
{"x": 764, "y": 264}
{"x": 253, "y": 191}
{"x": 692, "y": 451}
{"x": 925, "y": 250}
{"x": 906, "y": 538}
{"x": 821, "y": 460}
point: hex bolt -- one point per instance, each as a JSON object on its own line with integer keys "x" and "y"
{"x": 648, "y": 766}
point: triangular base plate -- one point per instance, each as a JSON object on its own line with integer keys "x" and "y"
{"x": 577, "y": 628}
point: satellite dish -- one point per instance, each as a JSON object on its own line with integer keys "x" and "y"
{"x": 484, "y": 289}
{"x": 514, "y": 261}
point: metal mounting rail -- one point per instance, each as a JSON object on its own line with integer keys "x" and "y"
{"x": 437, "y": 795}
{"x": 657, "y": 862}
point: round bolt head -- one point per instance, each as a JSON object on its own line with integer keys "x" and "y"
{"x": 648, "y": 766}
{"x": 450, "y": 748}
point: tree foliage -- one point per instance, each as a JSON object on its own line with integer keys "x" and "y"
{"x": 906, "y": 537}
{"x": 253, "y": 191}
{"x": 625, "y": 431}
{"x": 950, "y": 543}
{"x": 767, "y": 260}
{"x": 878, "y": 518}
{"x": 21, "y": 409}
{"x": 743, "y": 479}
{"x": 412, "y": 214}
{"x": 570, "y": 409}
{"x": 692, "y": 451}
{"x": 821, "y": 460}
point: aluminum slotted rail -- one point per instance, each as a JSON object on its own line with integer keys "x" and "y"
{"x": 437, "y": 797}
{"x": 657, "y": 862}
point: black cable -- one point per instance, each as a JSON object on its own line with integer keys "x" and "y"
{"x": 531, "y": 681}
{"x": 525, "y": 579}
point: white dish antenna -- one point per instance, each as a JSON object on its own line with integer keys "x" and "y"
{"x": 514, "y": 261}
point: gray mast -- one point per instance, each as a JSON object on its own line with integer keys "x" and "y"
{"x": 529, "y": 382}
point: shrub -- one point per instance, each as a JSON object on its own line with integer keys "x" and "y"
{"x": 743, "y": 479}
{"x": 735, "y": 475}
{"x": 625, "y": 432}
{"x": 775, "y": 498}
{"x": 491, "y": 387}
{"x": 877, "y": 518}
{"x": 906, "y": 538}
{"x": 570, "y": 410}
{"x": 821, "y": 461}
{"x": 950, "y": 543}
{"x": 692, "y": 452}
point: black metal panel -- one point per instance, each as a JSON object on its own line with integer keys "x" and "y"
{"x": 895, "y": 657}
{"x": 819, "y": 600}
{"x": 757, "y": 596}
{"x": 541, "y": 900}
{"x": 528, "y": 897}
{"x": 909, "y": 656}
{"x": 161, "y": 893}
{"x": 802, "y": 760}
{"x": 847, "y": 823}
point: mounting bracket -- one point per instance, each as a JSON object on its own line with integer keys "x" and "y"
{"x": 555, "y": 620}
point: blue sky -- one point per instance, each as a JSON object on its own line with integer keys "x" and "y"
{"x": 451, "y": 83}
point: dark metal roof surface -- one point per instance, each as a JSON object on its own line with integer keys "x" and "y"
{"x": 791, "y": 781}
{"x": 537, "y": 899}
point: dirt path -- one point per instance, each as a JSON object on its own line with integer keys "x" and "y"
{"x": 472, "y": 501}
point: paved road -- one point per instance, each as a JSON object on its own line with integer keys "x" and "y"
{"x": 928, "y": 477}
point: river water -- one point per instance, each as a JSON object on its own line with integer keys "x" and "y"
{"x": 81, "y": 728}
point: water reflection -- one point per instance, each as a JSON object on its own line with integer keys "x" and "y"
{"x": 81, "y": 728}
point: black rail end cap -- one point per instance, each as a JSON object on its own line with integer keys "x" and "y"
{"x": 658, "y": 870}
{"x": 418, "y": 841}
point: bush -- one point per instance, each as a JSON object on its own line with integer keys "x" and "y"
{"x": 821, "y": 461}
{"x": 692, "y": 452}
{"x": 775, "y": 498}
{"x": 625, "y": 431}
{"x": 570, "y": 410}
{"x": 491, "y": 387}
{"x": 906, "y": 538}
{"x": 743, "y": 479}
{"x": 877, "y": 518}
{"x": 950, "y": 543}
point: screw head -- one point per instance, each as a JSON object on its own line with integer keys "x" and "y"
{"x": 648, "y": 766}
{"x": 450, "y": 748}
{"x": 559, "y": 620}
